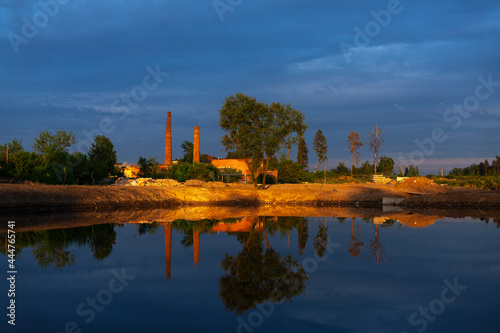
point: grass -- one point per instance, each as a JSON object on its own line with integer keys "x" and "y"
{"x": 482, "y": 182}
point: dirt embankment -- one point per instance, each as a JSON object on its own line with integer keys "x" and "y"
{"x": 414, "y": 193}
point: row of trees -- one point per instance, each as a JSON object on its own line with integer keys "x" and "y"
{"x": 51, "y": 162}
{"x": 481, "y": 169}
{"x": 256, "y": 131}
{"x": 374, "y": 141}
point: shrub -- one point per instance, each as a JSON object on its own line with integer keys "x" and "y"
{"x": 290, "y": 172}
{"x": 270, "y": 180}
{"x": 184, "y": 171}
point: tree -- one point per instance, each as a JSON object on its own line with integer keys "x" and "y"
{"x": 256, "y": 130}
{"x": 48, "y": 143}
{"x": 288, "y": 143}
{"x": 342, "y": 169}
{"x": 354, "y": 143}
{"x": 375, "y": 139}
{"x": 148, "y": 167}
{"x": 290, "y": 172}
{"x": 102, "y": 157}
{"x": 10, "y": 149}
{"x": 386, "y": 164}
{"x": 302, "y": 154}
{"x": 321, "y": 148}
{"x": 29, "y": 166}
{"x": 187, "y": 147}
{"x": 412, "y": 171}
{"x": 366, "y": 168}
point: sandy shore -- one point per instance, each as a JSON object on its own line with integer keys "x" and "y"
{"x": 414, "y": 193}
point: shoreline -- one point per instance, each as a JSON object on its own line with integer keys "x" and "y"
{"x": 34, "y": 198}
{"x": 415, "y": 218}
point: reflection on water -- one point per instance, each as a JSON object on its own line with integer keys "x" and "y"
{"x": 257, "y": 275}
{"x": 51, "y": 247}
{"x": 240, "y": 263}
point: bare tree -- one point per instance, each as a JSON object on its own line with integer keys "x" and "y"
{"x": 376, "y": 248}
{"x": 375, "y": 139}
{"x": 354, "y": 144}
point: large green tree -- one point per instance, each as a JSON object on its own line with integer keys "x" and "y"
{"x": 255, "y": 130}
{"x": 102, "y": 157}
{"x": 48, "y": 143}
{"x": 303, "y": 154}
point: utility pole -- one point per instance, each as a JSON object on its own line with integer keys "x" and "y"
{"x": 324, "y": 171}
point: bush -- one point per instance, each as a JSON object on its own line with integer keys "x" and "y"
{"x": 148, "y": 167}
{"x": 490, "y": 185}
{"x": 342, "y": 169}
{"x": 290, "y": 172}
{"x": 185, "y": 171}
{"x": 270, "y": 180}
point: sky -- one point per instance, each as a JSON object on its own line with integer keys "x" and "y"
{"x": 428, "y": 72}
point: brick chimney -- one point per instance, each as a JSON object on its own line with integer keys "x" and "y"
{"x": 196, "y": 145}
{"x": 168, "y": 141}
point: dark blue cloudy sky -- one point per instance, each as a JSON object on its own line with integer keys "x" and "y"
{"x": 348, "y": 65}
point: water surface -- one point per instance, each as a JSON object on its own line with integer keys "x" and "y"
{"x": 260, "y": 274}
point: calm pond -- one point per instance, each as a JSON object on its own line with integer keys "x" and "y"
{"x": 258, "y": 274}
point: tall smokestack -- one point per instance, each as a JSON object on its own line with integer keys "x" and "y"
{"x": 168, "y": 141}
{"x": 196, "y": 145}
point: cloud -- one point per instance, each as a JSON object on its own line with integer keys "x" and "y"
{"x": 89, "y": 54}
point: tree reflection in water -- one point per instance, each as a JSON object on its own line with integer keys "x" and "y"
{"x": 256, "y": 275}
{"x": 49, "y": 247}
{"x": 376, "y": 247}
{"x": 321, "y": 239}
{"x": 303, "y": 230}
{"x": 355, "y": 242}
